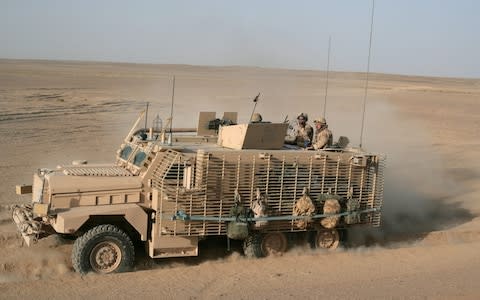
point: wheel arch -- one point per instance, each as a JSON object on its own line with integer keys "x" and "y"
{"x": 116, "y": 220}
{"x": 131, "y": 218}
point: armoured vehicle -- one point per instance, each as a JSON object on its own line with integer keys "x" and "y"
{"x": 169, "y": 190}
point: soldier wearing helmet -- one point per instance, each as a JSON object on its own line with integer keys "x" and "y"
{"x": 256, "y": 118}
{"x": 323, "y": 135}
{"x": 301, "y": 133}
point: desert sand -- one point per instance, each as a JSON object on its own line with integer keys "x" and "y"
{"x": 428, "y": 245}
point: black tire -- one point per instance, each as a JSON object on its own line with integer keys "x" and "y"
{"x": 261, "y": 245}
{"x": 252, "y": 246}
{"x": 344, "y": 241}
{"x": 274, "y": 243}
{"x": 327, "y": 239}
{"x": 103, "y": 242}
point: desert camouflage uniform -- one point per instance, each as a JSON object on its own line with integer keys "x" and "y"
{"x": 324, "y": 138}
{"x": 305, "y": 134}
{"x": 259, "y": 208}
{"x": 300, "y": 135}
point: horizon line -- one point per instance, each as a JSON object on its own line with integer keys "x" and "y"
{"x": 231, "y": 66}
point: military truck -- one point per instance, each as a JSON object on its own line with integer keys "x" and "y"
{"x": 170, "y": 189}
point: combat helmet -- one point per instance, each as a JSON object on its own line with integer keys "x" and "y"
{"x": 256, "y": 117}
{"x": 320, "y": 120}
{"x": 304, "y": 116}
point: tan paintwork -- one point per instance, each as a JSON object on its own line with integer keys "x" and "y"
{"x": 280, "y": 175}
{"x": 199, "y": 176}
{"x": 163, "y": 244}
{"x": 23, "y": 189}
{"x": 70, "y": 221}
{"x": 253, "y": 136}
{"x": 232, "y": 116}
{"x": 205, "y": 118}
{"x": 172, "y": 246}
{"x": 60, "y": 183}
{"x": 40, "y": 209}
{"x": 65, "y": 201}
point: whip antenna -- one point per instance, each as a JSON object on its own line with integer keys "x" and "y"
{"x": 326, "y": 83}
{"x": 171, "y": 111}
{"x": 146, "y": 116}
{"x": 255, "y": 100}
{"x": 368, "y": 72}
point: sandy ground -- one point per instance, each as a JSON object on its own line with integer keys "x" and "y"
{"x": 54, "y": 112}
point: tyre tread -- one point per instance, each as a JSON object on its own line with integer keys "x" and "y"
{"x": 252, "y": 246}
{"x": 80, "y": 252}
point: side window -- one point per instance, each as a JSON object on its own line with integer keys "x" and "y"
{"x": 139, "y": 158}
{"x": 125, "y": 153}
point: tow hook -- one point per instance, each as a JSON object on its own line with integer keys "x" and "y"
{"x": 29, "y": 228}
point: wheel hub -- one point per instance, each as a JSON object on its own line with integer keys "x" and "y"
{"x": 105, "y": 257}
{"x": 274, "y": 244}
{"x": 328, "y": 239}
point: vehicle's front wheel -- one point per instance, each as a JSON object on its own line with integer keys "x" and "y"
{"x": 103, "y": 249}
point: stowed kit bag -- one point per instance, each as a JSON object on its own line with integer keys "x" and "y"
{"x": 259, "y": 208}
{"x": 331, "y": 206}
{"x": 354, "y": 217}
{"x": 238, "y": 229}
{"x": 304, "y": 207}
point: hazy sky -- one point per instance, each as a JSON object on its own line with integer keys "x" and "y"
{"x": 427, "y": 37}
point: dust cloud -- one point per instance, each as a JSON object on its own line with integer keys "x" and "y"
{"x": 50, "y": 258}
{"x": 419, "y": 196}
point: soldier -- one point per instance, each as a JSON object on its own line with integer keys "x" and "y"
{"x": 302, "y": 133}
{"x": 323, "y": 135}
{"x": 256, "y": 118}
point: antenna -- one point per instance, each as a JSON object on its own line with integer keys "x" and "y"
{"x": 368, "y": 72}
{"x": 171, "y": 111}
{"x": 129, "y": 135}
{"x": 146, "y": 116}
{"x": 255, "y": 100}
{"x": 328, "y": 69}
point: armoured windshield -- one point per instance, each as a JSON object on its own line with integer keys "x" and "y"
{"x": 139, "y": 158}
{"x": 125, "y": 153}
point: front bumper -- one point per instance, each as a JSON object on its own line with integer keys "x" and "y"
{"x": 29, "y": 226}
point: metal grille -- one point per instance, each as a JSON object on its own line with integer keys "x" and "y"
{"x": 378, "y": 189}
{"x": 280, "y": 175}
{"x": 97, "y": 171}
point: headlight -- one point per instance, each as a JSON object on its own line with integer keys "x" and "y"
{"x": 37, "y": 189}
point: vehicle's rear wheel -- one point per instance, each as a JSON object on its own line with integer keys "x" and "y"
{"x": 261, "y": 245}
{"x": 274, "y": 243}
{"x": 326, "y": 239}
{"x": 103, "y": 249}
